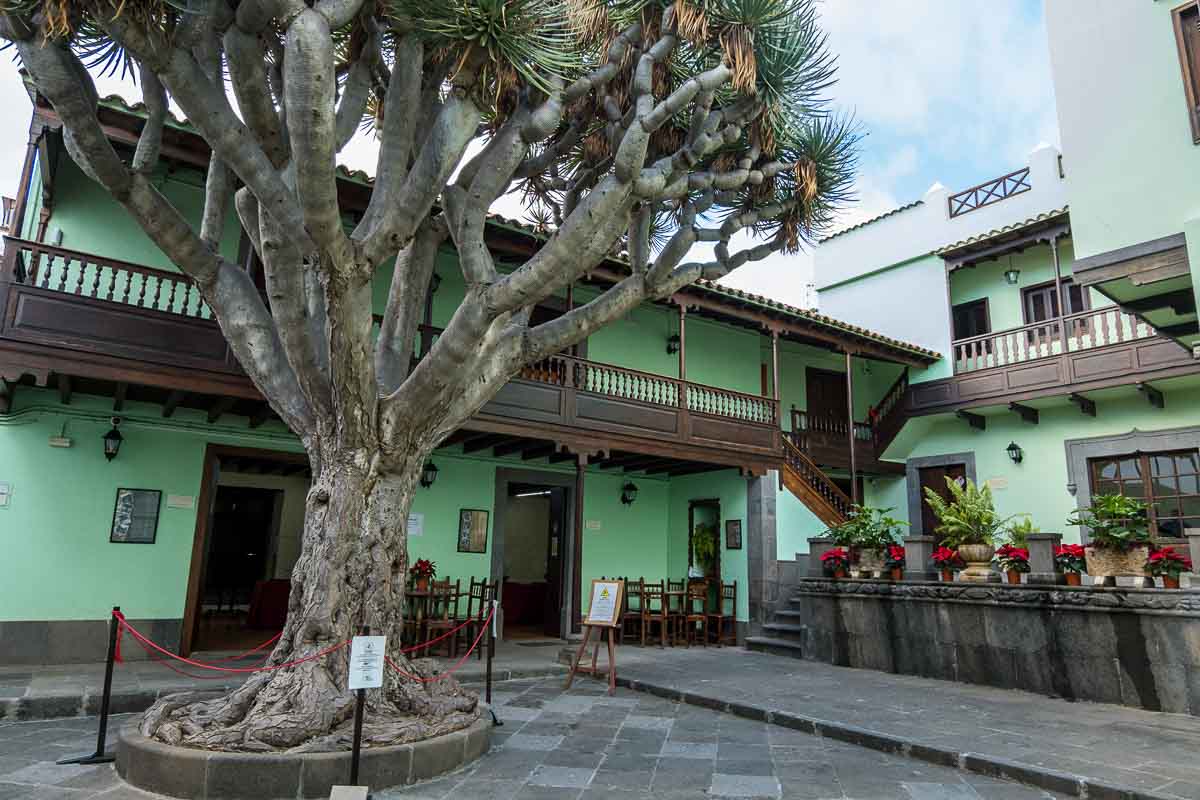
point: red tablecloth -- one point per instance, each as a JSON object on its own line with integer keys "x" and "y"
{"x": 269, "y": 604}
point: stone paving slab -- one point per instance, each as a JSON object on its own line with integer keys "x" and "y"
{"x": 613, "y": 760}
{"x": 1079, "y": 748}
{"x": 72, "y": 690}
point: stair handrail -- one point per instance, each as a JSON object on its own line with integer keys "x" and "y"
{"x": 890, "y": 413}
{"x": 815, "y": 478}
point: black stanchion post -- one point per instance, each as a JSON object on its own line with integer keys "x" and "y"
{"x": 491, "y": 648}
{"x": 358, "y": 719}
{"x": 100, "y": 757}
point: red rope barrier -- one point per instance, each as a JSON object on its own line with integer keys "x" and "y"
{"x": 240, "y": 656}
{"x": 432, "y": 642}
{"x": 457, "y": 665}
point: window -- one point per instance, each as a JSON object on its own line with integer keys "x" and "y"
{"x": 971, "y": 319}
{"x": 1187, "y": 40}
{"x": 1040, "y": 303}
{"x": 1167, "y": 481}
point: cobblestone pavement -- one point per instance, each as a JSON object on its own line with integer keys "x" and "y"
{"x": 587, "y": 746}
{"x": 580, "y": 744}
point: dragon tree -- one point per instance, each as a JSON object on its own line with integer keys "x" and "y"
{"x": 684, "y": 139}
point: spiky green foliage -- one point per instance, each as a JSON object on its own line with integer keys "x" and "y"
{"x": 1114, "y": 521}
{"x": 970, "y": 517}
{"x": 867, "y": 528}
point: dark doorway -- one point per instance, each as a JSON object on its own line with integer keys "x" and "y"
{"x": 535, "y": 522}
{"x": 241, "y": 548}
{"x": 935, "y": 478}
{"x": 704, "y": 539}
{"x": 826, "y": 394}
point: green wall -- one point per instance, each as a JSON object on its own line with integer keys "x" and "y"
{"x": 795, "y": 524}
{"x": 1038, "y": 485}
{"x": 730, "y": 489}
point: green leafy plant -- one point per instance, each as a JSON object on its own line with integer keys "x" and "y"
{"x": 970, "y": 517}
{"x": 704, "y": 544}
{"x": 1115, "y": 521}
{"x": 1020, "y": 530}
{"x": 867, "y": 528}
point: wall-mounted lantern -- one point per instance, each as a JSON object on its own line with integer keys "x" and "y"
{"x": 1015, "y": 452}
{"x": 672, "y": 344}
{"x": 428, "y": 474}
{"x": 1012, "y": 275}
{"x": 112, "y": 440}
{"x": 628, "y": 493}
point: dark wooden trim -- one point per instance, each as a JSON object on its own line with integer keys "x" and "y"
{"x": 1188, "y": 67}
{"x": 974, "y": 420}
{"x": 119, "y": 392}
{"x": 987, "y": 317}
{"x": 1180, "y": 329}
{"x": 1115, "y": 263}
{"x": 1153, "y": 396}
{"x": 172, "y": 402}
{"x": 191, "y": 607}
{"x": 577, "y": 551}
{"x": 1181, "y": 301}
{"x": 851, "y": 441}
{"x": 1060, "y": 293}
{"x": 259, "y": 417}
{"x": 1086, "y": 405}
{"x": 219, "y": 408}
{"x": 64, "y": 389}
{"x": 993, "y": 191}
{"x": 6, "y": 396}
{"x": 1026, "y": 413}
{"x": 481, "y": 443}
{"x": 537, "y": 451}
{"x": 507, "y": 448}
{"x": 975, "y": 253}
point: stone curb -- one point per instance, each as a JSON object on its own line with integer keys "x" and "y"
{"x": 979, "y": 763}
{"x": 130, "y": 701}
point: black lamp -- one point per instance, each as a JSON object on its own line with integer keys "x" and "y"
{"x": 428, "y": 474}
{"x": 673, "y": 344}
{"x": 1012, "y": 275}
{"x": 1015, "y": 452}
{"x": 628, "y": 493}
{"x": 112, "y": 440}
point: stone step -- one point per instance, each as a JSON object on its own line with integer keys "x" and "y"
{"x": 784, "y": 630}
{"x": 776, "y": 647}
{"x": 789, "y": 615}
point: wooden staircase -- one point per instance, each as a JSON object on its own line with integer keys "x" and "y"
{"x": 812, "y": 486}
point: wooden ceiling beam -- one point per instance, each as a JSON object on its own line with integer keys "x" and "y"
{"x": 540, "y": 451}
{"x": 509, "y": 446}
{"x": 172, "y": 402}
{"x": 1153, "y": 396}
{"x": 561, "y": 456}
{"x": 651, "y": 461}
{"x": 1026, "y": 413}
{"x": 976, "y": 421}
{"x": 1086, "y": 405}
{"x": 1181, "y": 301}
{"x": 264, "y": 413}
{"x": 1180, "y": 329}
{"x": 7, "y": 390}
{"x": 220, "y": 407}
{"x": 64, "y": 389}
{"x": 481, "y": 442}
{"x": 119, "y": 393}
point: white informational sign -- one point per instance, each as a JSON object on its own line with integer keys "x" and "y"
{"x": 606, "y": 603}
{"x": 184, "y": 501}
{"x": 416, "y": 524}
{"x": 366, "y": 662}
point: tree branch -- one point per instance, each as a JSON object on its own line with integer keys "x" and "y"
{"x": 411, "y": 277}
{"x": 154, "y": 96}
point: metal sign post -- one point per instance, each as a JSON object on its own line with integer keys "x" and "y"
{"x": 100, "y": 757}
{"x": 491, "y": 648}
{"x": 366, "y": 672}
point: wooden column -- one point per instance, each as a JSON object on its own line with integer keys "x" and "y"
{"x": 573, "y": 349}
{"x": 682, "y": 342}
{"x": 18, "y": 212}
{"x": 1062, "y": 300}
{"x": 775, "y": 365}
{"x": 577, "y": 550}
{"x": 850, "y": 422}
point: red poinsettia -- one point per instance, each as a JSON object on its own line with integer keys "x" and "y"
{"x": 423, "y": 568}
{"x": 835, "y": 560}
{"x": 895, "y": 557}
{"x": 1165, "y": 561}
{"x": 946, "y": 558}
{"x": 1012, "y": 558}
{"x": 1069, "y": 558}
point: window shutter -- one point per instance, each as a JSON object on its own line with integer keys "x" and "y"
{"x": 1187, "y": 39}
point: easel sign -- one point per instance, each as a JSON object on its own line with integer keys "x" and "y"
{"x": 604, "y": 615}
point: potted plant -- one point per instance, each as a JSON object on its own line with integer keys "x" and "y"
{"x": 947, "y": 561}
{"x": 1069, "y": 558}
{"x": 704, "y": 547}
{"x": 866, "y": 535}
{"x": 1019, "y": 530}
{"x": 1165, "y": 563}
{"x": 969, "y": 523}
{"x": 1013, "y": 561}
{"x": 836, "y": 562}
{"x": 422, "y": 572}
{"x": 894, "y": 561}
{"x": 1120, "y": 536}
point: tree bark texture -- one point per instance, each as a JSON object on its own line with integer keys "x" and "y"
{"x": 643, "y": 141}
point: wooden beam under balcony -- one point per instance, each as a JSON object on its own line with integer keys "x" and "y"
{"x": 508, "y": 447}
{"x": 1026, "y": 413}
{"x": 538, "y": 451}
{"x": 264, "y": 413}
{"x": 64, "y": 389}
{"x": 220, "y": 407}
{"x": 1181, "y": 301}
{"x": 482, "y": 442}
{"x": 1086, "y": 405}
{"x": 6, "y": 396}
{"x": 119, "y": 393}
{"x": 976, "y": 421}
{"x": 172, "y": 402}
{"x": 1153, "y": 396}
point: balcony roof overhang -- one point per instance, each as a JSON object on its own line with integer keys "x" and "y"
{"x": 122, "y": 122}
{"x": 1000, "y": 242}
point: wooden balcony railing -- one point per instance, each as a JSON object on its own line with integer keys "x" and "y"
{"x": 86, "y": 275}
{"x": 1074, "y": 333}
{"x": 805, "y": 425}
{"x": 989, "y": 192}
{"x": 890, "y": 413}
{"x": 815, "y": 486}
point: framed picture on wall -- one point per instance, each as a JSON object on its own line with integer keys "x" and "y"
{"x": 733, "y": 534}
{"x": 135, "y": 516}
{"x": 472, "y": 530}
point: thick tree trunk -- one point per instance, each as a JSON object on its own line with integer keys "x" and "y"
{"x": 351, "y": 572}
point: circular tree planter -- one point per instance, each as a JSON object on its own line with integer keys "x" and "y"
{"x": 208, "y": 775}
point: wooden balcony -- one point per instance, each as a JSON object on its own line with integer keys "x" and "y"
{"x": 824, "y": 441}
{"x": 1087, "y": 351}
{"x": 68, "y": 313}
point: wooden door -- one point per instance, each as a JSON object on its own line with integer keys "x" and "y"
{"x": 935, "y": 478}
{"x": 555, "y": 542}
{"x": 826, "y": 394}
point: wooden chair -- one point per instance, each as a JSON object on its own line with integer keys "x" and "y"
{"x": 695, "y": 613}
{"x": 631, "y": 612}
{"x": 718, "y": 618}
{"x": 443, "y": 615}
{"x": 475, "y": 590}
{"x": 654, "y": 610}
{"x": 676, "y": 609}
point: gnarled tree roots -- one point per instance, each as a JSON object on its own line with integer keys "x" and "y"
{"x": 301, "y": 710}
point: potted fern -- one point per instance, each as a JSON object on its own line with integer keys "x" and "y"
{"x": 866, "y": 535}
{"x": 969, "y": 524}
{"x": 1119, "y": 536}
{"x": 704, "y": 548}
